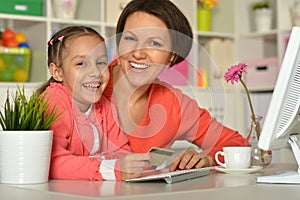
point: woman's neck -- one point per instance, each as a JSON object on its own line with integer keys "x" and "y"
{"x": 122, "y": 86}
{"x": 130, "y": 100}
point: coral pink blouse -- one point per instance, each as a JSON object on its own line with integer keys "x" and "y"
{"x": 172, "y": 115}
{"x": 73, "y": 139}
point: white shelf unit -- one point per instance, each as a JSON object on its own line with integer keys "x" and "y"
{"x": 231, "y": 19}
{"x": 251, "y": 45}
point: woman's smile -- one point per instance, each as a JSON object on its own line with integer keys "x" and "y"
{"x": 139, "y": 67}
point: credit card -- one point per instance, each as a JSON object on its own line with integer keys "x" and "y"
{"x": 160, "y": 156}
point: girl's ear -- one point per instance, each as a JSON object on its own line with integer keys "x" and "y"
{"x": 56, "y": 72}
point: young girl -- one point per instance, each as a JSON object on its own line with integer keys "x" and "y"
{"x": 87, "y": 142}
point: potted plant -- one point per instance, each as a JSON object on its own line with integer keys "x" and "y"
{"x": 263, "y": 15}
{"x": 25, "y": 141}
{"x": 261, "y": 5}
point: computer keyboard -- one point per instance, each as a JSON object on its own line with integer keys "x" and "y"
{"x": 176, "y": 176}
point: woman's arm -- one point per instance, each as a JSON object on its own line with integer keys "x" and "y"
{"x": 198, "y": 127}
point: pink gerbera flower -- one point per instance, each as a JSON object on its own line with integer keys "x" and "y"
{"x": 235, "y": 72}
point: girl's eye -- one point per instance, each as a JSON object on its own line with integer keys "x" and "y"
{"x": 82, "y": 64}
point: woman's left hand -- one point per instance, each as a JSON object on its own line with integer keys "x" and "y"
{"x": 191, "y": 159}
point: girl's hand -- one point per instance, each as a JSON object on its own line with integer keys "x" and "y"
{"x": 191, "y": 159}
{"x": 133, "y": 165}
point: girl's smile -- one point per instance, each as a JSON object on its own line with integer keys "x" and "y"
{"x": 84, "y": 70}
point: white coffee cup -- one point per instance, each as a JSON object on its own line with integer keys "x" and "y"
{"x": 237, "y": 157}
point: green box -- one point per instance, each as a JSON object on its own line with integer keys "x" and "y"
{"x": 22, "y": 7}
{"x": 14, "y": 64}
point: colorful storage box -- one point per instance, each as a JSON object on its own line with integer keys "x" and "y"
{"x": 177, "y": 75}
{"x": 22, "y": 7}
{"x": 14, "y": 64}
{"x": 261, "y": 74}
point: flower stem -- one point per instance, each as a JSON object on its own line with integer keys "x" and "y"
{"x": 262, "y": 152}
{"x": 251, "y": 108}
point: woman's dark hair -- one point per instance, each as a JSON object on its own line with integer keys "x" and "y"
{"x": 175, "y": 20}
{"x": 56, "y": 46}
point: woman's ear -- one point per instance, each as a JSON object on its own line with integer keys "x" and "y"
{"x": 173, "y": 55}
{"x": 56, "y": 72}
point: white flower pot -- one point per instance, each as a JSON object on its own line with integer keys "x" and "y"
{"x": 25, "y": 156}
{"x": 263, "y": 20}
{"x": 65, "y": 9}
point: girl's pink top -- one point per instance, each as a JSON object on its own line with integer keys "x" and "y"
{"x": 73, "y": 139}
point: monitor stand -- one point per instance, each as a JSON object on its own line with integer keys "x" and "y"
{"x": 288, "y": 177}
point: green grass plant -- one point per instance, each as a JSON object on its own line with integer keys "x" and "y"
{"x": 26, "y": 113}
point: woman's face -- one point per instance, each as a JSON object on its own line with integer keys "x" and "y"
{"x": 144, "y": 48}
{"x": 84, "y": 70}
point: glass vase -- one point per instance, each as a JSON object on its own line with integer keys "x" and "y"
{"x": 259, "y": 157}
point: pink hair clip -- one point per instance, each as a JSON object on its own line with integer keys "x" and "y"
{"x": 51, "y": 42}
{"x": 61, "y": 38}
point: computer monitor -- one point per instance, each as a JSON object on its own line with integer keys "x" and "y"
{"x": 282, "y": 121}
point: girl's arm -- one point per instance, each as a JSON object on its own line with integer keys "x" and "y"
{"x": 69, "y": 158}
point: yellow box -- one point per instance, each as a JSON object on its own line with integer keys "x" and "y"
{"x": 14, "y": 64}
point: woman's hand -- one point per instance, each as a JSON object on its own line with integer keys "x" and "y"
{"x": 133, "y": 165}
{"x": 191, "y": 159}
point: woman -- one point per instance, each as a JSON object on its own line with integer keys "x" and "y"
{"x": 150, "y": 36}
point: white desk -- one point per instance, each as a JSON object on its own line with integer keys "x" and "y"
{"x": 215, "y": 186}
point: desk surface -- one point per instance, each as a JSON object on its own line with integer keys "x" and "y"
{"x": 214, "y": 186}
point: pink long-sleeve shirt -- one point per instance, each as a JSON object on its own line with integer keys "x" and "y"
{"x": 74, "y": 139}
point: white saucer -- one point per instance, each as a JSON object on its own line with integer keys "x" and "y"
{"x": 239, "y": 171}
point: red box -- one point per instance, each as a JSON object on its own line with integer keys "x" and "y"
{"x": 261, "y": 74}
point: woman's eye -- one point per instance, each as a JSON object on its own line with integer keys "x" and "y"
{"x": 155, "y": 43}
{"x": 101, "y": 63}
{"x": 129, "y": 38}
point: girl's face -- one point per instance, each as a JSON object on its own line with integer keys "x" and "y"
{"x": 84, "y": 70}
{"x": 144, "y": 48}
